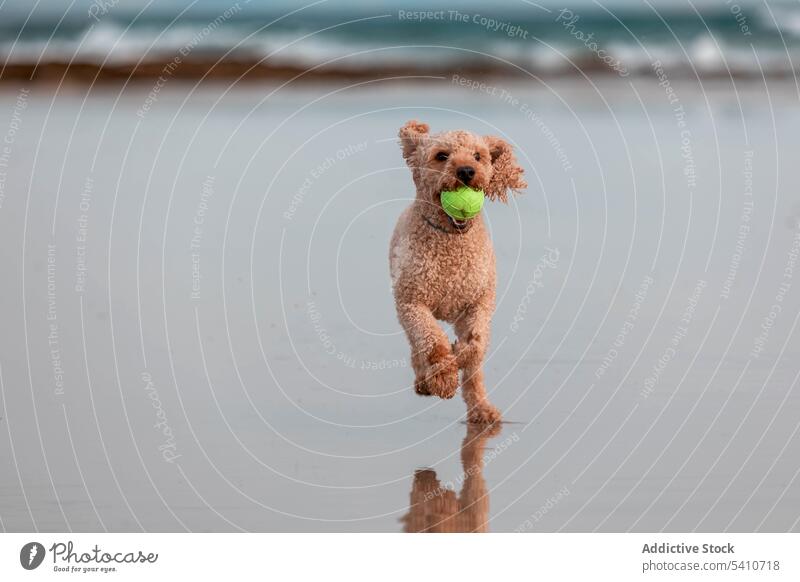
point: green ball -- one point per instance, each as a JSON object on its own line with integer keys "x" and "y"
{"x": 462, "y": 204}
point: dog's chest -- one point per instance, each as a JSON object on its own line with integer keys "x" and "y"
{"x": 443, "y": 273}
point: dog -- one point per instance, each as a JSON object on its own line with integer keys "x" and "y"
{"x": 444, "y": 269}
{"x": 434, "y": 508}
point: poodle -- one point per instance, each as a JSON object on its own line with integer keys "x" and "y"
{"x": 436, "y": 508}
{"x": 444, "y": 269}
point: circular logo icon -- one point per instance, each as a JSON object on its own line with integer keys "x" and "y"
{"x": 31, "y": 555}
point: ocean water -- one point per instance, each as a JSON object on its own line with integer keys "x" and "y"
{"x": 739, "y": 38}
{"x": 198, "y": 329}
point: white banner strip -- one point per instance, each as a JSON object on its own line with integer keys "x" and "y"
{"x": 353, "y": 557}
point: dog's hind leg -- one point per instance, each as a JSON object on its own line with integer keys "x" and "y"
{"x": 431, "y": 356}
{"x": 472, "y": 330}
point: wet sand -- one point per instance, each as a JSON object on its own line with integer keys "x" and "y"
{"x": 198, "y": 328}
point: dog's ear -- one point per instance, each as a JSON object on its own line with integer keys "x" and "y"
{"x": 507, "y": 174}
{"x": 411, "y": 135}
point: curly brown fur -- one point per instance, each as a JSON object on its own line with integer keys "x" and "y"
{"x": 445, "y": 270}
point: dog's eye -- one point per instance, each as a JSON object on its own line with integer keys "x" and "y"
{"x": 477, "y": 157}
{"x": 442, "y": 156}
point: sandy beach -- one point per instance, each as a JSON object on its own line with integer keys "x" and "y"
{"x": 199, "y": 332}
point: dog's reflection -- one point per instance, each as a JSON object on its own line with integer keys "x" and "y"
{"x": 437, "y": 508}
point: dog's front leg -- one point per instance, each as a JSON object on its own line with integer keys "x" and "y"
{"x": 431, "y": 356}
{"x": 472, "y": 329}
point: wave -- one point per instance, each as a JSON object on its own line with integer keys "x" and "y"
{"x": 759, "y": 42}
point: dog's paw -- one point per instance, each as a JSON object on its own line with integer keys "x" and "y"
{"x": 482, "y": 431}
{"x": 484, "y": 414}
{"x": 421, "y": 388}
{"x": 442, "y": 377}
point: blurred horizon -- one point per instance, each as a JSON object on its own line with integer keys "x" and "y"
{"x": 80, "y": 7}
{"x": 361, "y": 38}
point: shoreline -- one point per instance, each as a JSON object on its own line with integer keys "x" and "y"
{"x": 256, "y": 70}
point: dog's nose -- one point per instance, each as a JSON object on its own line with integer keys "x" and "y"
{"x": 465, "y": 173}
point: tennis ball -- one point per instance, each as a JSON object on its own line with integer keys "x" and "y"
{"x": 462, "y": 204}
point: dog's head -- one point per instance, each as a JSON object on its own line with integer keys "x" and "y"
{"x": 448, "y": 160}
